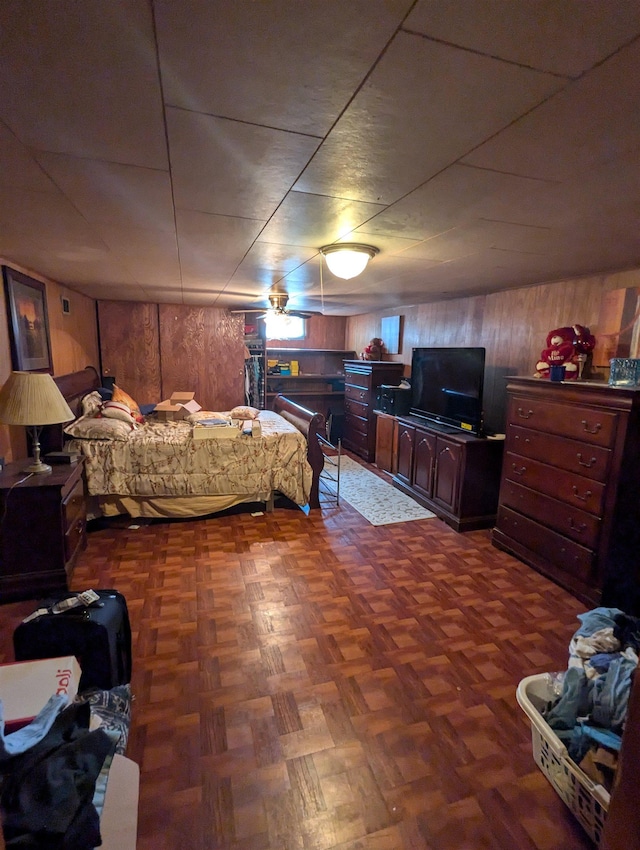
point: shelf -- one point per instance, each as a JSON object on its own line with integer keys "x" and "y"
{"x": 315, "y": 376}
{"x": 310, "y": 350}
{"x": 307, "y": 393}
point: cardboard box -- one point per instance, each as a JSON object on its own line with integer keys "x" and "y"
{"x": 179, "y": 406}
{"x": 25, "y": 687}
{"x": 215, "y": 432}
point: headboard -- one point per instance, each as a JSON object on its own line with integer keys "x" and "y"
{"x": 310, "y": 424}
{"x": 73, "y": 387}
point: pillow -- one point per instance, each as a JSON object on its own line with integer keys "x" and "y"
{"x": 99, "y": 428}
{"x": 194, "y": 418}
{"x": 118, "y": 410}
{"x": 90, "y": 403}
{"x": 244, "y": 412}
{"x": 125, "y": 398}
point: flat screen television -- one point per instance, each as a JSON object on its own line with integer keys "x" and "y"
{"x": 447, "y": 385}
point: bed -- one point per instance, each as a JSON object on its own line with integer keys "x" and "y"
{"x": 160, "y": 470}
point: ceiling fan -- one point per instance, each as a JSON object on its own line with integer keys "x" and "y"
{"x": 278, "y": 306}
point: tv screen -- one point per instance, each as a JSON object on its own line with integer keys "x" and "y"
{"x": 447, "y": 386}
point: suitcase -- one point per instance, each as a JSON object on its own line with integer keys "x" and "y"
{"x": 99, "y": 635}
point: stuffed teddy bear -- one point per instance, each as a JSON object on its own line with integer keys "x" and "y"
{"x": 373, "y": 351}
{"x": 560, "y": 351}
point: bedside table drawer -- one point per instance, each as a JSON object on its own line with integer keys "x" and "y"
{"x": 73, "y": 505}
{"x": 74, "y": 537}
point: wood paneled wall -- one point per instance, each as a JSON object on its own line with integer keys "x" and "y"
{"x": 322, "y": 332}
{"x": 511, "y": 325}
{"x": 202, "y": 350}
{"x": 129, "y": 348}
{"x": 74, "y": 345}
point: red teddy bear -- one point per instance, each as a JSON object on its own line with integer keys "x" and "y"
{"x": 560, "y": 351}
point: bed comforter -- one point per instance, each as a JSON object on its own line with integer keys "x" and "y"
{"x": 163, "y": 459}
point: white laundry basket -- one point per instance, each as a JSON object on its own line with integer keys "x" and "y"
{"x": 587, "y": 800}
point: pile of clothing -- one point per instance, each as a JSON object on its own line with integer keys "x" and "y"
{"x": 589, "y": 714}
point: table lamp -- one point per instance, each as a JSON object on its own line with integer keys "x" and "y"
{"x": 33, "y": 399}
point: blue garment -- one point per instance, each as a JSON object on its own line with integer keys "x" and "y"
{"x": 598, "y": 618}
{"x": 610, "y": 694}
{"x": 574, "y": 701}
{"x": 601, "y": 660}
{"x": 23, "y": 739}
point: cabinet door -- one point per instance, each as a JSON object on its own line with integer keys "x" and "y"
{"x": 406, "y": 436}
{"x": 424, "y": 462}
{"x": 447, "y": 473}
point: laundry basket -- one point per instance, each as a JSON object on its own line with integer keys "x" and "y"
{"x": 587, "y": 800}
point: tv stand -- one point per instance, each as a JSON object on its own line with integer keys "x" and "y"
{"x": 454, "y": 474}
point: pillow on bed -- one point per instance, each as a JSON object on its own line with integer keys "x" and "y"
{"x": 244, "y": 412}
{"x": 99, "y": 428}
{"x": 125, "y": 398}
{"x": 118, "y": 410}
{"x": 90, "y": 403}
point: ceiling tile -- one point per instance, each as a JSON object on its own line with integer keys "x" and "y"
{"x": 316, "y": 220}
{"x": 563, "y": 38}
{"x": 82, "y": 83}
{"x": 106, "y": 192}
{"x": 230, "y": 168}
{"x": 251, "y": 61}
{"x": 589, "y": 122}
{"x": 423, "y": 107}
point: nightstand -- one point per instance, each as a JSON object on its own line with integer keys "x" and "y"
{"x": 43, "y": 527}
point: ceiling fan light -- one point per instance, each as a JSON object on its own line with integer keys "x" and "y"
{"x": 348, "y": 259}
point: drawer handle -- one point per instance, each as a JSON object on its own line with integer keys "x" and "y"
{"x": 524, "y": 415}
{"x": 518, "y": 470}
{"x": 587, "y": 463}
{"x": 578, "y": 496}
{"x": 593, "y": 430}
{"x": 363, "y": 395}
{"x": 580, "y": 527}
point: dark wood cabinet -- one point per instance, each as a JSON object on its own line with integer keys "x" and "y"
{"x": 386, "y": 441}
{"x": 44, "y": 527}
{"x": 568, "y": 497}
{"x": 362, "y": 379}
{"x": 456, "y": 475}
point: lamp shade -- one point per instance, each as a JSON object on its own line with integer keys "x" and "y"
{"x": 348, "y": 259}
{"x": 32, "y": 398}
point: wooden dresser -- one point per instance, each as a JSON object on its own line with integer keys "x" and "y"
{"x": 362, "y": 379}
{"x": 569, "y": 501}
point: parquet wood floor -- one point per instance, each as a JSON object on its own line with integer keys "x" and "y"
{"x": 317, "y": 683}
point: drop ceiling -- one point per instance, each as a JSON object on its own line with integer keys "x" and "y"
{"x": 202, "y": 152}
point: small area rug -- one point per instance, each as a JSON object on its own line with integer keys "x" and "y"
{"x": 378, "y": 502}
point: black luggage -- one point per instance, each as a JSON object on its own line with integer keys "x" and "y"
{"x": 99, "y": 635}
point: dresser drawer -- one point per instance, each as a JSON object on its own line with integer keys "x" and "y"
{"x": 356, "y": 424}
{"x": 358, "y": 442}
{"x": 359, "y": 394}
{"x": 589, "y": 461}
{"x": 73, "y": 504}
{"x": 597, "y": 427}
{"x": 356, "y": 408}
{"x": 583, "y": 493}
{"x": 580, "y": 526}
{"x": 358, "y": 378}
{"x": 567, "y": 556}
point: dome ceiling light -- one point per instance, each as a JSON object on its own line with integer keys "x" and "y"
{"x": 348, "y": 259}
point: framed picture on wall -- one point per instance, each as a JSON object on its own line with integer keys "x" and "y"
{"x": 28, "y": 322}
